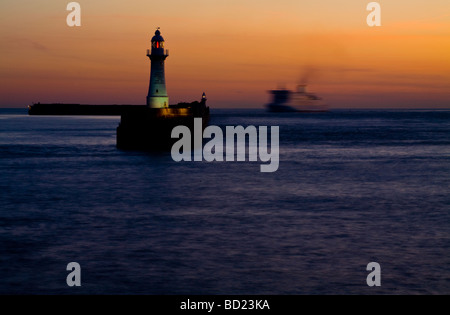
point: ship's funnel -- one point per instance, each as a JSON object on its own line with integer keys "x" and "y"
{"x": 301, "y": 88}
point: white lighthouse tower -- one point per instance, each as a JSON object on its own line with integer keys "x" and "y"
{"x": 157, "y": 93}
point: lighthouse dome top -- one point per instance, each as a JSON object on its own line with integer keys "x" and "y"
{"x": 157, "y": 37}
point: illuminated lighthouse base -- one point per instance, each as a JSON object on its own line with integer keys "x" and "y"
{"x": 145, "y": 128}
{"x": 157, "y": 101}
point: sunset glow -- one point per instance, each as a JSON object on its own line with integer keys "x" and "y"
{"x": 233, "y": 50}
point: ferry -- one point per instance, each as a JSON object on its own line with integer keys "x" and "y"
{"x": 284, "y": 100}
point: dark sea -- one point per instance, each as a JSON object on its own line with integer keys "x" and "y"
{"x": 353, "y": 187}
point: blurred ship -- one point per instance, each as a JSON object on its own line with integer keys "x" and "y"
{"x": 284, "y": 100}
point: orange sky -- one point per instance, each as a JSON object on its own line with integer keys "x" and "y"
{"x": 233, "y": 50}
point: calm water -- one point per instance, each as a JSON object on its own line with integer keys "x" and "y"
{"x": 352, "y": 187}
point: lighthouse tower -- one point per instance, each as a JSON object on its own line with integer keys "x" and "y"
{"x": 157, "y": 93}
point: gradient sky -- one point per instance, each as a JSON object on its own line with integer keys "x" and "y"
{"x": 234, "y": 50}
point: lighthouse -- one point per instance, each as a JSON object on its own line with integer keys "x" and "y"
{"x": 150, "y": 126}
{"x": 157, "y": 93}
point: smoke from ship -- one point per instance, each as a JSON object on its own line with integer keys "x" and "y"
{"x": 308, "y": 73}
